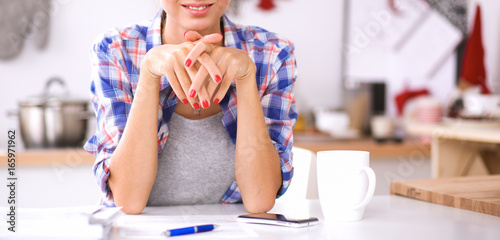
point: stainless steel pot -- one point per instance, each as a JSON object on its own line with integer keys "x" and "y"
{"x": 51, "y": 121}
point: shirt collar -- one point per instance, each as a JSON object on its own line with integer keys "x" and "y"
{"x": 231, "y": 38}
{"x": 153, "y": 38}
{"x": 231, "y": 34}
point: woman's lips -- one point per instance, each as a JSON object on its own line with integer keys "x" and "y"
{"x": 197, "y": 9}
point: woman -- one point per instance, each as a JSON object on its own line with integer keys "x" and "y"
{"x": 170, "y": 96}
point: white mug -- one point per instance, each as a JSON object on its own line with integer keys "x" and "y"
{"x": 346, "y": 184}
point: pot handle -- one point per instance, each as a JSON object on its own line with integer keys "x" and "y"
{"x": 53, "y": 80}
{"x": 12, "y": 113}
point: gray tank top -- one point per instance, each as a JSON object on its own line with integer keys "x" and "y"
{"x": 196, "y": 165}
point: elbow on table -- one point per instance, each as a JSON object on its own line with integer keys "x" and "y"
{"x": 130, "y": 205}
{"x": 131, "y": 208}
{"x": 259, "y": 205}
{"x": 132, "y": 201}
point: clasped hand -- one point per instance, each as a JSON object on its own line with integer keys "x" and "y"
{"x": 199, "y": 71}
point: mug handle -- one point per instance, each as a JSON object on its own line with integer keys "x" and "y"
{"x": 371, "y": 187}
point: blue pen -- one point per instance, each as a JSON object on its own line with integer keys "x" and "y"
{"x": 189, "y": 230}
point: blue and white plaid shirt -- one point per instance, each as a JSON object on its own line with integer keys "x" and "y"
{"x": 116, "y": 60}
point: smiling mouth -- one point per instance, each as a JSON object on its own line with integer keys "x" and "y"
{"x": 197, "y": 8}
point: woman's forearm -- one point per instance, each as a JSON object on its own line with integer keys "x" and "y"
{"x": 257, "y": 163}
{"x": 134, "y": 162}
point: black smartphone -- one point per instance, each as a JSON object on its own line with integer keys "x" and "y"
{"x": 276, "y": 219}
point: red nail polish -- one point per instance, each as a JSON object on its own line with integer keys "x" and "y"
{"x": 217, "y": 78}
{"x": 196, "y": 106}
{"x": 185, "y": 101}
{"x": 185, "y": 33}
{"x": 192, "y": 93}
{"x": 205, "y": 104}
{"x": 221, "y": 34}
{"x": 216, "y": 101}
{"x": 188, "y": 62}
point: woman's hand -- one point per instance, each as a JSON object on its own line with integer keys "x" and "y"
{"x": 199, "y": 56}
{"x": 232, "y": 63}
{"x": 168, "y": 60}
{"x": 235, "y": 65}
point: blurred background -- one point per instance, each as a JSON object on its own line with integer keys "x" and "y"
{"x": 355, "y": 58}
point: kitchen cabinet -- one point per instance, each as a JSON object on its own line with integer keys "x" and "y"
{"x": 53, "y": 178}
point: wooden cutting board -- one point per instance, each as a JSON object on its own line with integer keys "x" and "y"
{"x": 480, "y": 194}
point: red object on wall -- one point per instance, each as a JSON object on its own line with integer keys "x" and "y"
{"x": 402, "y": 98}
{"x": 266, "y": 4}
{"x": 473, "y": 70}
{"x": 394, "y": 8}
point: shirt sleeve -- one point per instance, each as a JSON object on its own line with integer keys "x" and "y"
{"x": 112, "y": 95}
{"x": 280, "y": 110}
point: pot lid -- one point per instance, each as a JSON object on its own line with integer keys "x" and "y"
{"x": 47, "y": 98}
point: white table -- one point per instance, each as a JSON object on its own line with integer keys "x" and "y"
{"x": 386, "y": 217}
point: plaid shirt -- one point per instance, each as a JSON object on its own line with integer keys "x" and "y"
{"x": 116, "y": 60}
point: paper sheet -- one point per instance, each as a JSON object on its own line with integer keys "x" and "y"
{"x": 152, "y": 227}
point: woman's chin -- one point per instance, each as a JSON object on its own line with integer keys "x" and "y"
{"x": 201, "y": 26}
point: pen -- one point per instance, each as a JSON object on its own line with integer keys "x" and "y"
{"x": 189, "y": 230}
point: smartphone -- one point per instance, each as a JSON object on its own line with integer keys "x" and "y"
{"x": 276, "y": 219}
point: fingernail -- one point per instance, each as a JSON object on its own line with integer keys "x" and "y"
{"x": 221, "y": 34}
{"x": 185, "y": 101}
{"x": 192, "y": 93}
{"x": 217, "y": 78}
{"x": 185, "y": 33}
{"x": 188, "y": 62}
{"x": 216, "y": 101}
{"x": 196, "y": 106}
{"x": 205, "y": 104}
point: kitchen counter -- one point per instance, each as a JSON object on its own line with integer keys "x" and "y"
{"x": 461, "y": 148}
{"x": 316, "y": 141}
{"x": 458, "y": 131}
{"x": 479, "y": 194}
{"x": 385, "y": 218}
{"x": 47, "y": 157}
